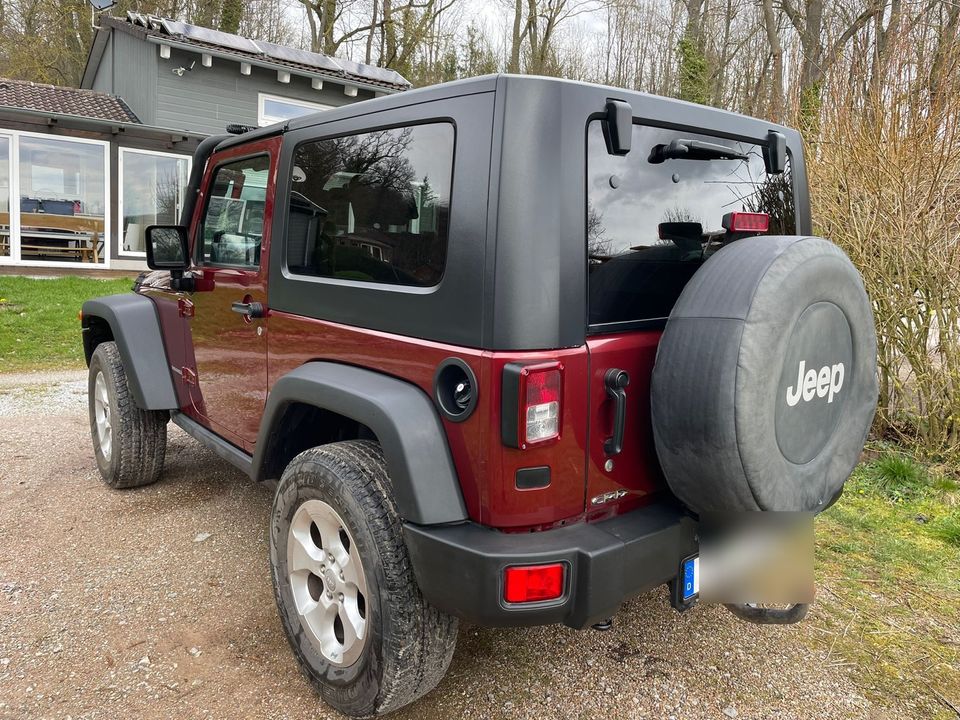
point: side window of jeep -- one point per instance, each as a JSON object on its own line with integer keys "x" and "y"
{"x": 372, "y": 207}
{"x": 232, "y": 228}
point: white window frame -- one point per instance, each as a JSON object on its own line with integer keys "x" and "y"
{"x": 14, "y": 257}
{"x": 123, "y": 151}
{"x": 13, "y": 239}
{"x": 263, "y": 120}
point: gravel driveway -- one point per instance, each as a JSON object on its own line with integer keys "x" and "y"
{"x": 156, "y": 603}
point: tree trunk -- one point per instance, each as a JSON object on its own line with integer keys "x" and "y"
{"x": 776, "y": 53}
{"x": 516, "y": 38}
{"x": 948, "y": 45}
{"x": 368, "y": 55}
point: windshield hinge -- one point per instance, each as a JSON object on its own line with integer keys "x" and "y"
{"x": 775, "y": 152}
{"x": 618, "y": 127}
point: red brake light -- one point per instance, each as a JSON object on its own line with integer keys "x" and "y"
{"x": 746, "y": 222}
{"x": 533, "y": 583}
{"x": 540, "y": 388}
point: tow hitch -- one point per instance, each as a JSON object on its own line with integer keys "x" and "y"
{"x": 769, "y": 615}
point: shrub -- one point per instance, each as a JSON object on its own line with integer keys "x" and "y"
{"x": 885, "y": 185}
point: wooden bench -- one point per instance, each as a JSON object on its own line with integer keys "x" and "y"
{"x": 61, "y": 236}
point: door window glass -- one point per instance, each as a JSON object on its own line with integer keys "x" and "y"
{"x": 232, "y": 228}
{"x": 373, "y": 207}
{"x": 152, "y": 188}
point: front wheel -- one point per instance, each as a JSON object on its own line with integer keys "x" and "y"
{"x": 129, "y": 443}
{"x": 347, "y": 597}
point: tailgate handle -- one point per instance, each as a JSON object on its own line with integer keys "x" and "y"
{"x": 615, "y": 381}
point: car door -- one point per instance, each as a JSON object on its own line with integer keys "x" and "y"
{"x": 229, "y": 325}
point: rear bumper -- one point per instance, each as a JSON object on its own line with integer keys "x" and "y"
{"x": 460, "y": 567}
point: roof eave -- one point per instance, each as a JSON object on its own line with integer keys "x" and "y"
{"x": 94, "y": 57}
{"x": 82, "y": 122}
{"x": 259, "y": 62}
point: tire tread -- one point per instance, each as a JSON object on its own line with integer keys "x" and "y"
{"x": 140, "y": 438}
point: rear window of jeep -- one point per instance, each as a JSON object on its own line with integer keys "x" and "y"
{"x": 372, "y": 207}
{"x": 650, "y": 225}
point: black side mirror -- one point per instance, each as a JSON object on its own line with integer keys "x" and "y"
{"x": 167, "y": 247}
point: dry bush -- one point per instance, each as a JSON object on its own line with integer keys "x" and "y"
{"x": 885, "y": 183}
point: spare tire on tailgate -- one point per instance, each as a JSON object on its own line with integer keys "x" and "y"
{"x": 765, "y": 383}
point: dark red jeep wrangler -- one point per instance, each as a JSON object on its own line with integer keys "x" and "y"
{"x": 503, "y": 344}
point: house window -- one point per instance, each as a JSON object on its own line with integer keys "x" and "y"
{"x": 63, "y": 199}
{"x": 275, "y": 109}
{"x": 152, "y": 187}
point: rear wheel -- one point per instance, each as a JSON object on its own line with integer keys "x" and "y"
{"x": 347, "y": 597}
{"x": 129, "y": 443}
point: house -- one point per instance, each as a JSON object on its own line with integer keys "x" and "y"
{"x": 83, "y": 171}
{"x": 195, "y": 79}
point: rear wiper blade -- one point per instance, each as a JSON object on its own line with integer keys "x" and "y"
{"x": 681, "y": 149}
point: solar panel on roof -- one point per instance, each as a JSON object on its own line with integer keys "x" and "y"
{"x": 302, "y": 57}
{"x": 371, "y": 72}
{"x": 215, "y": 37}
{"x": 172, "y": 27}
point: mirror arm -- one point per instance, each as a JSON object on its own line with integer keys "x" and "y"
{"x": 182, "y": 284}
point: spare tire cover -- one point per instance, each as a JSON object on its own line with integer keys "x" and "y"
{"x": 765, "y": 383}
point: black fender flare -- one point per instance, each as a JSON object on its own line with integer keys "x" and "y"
{"x": 135, "y": 327}
{"x": 400, "y": 414}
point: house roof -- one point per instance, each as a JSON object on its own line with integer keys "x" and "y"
{"x": 64, "y": 101}
{"x": 257, "y": 52}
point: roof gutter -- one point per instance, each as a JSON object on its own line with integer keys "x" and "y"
{"x": 339, "y": 79}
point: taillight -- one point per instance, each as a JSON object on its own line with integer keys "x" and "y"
{"x": 746, "y": 222}
{"x": 533, "y": 583}
{"x": 531, "y": 403}
{"x": 541, "y": 408}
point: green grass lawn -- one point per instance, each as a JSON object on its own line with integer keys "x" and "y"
{"x": 888, "y": 604}
{"x": 39, "y": 329}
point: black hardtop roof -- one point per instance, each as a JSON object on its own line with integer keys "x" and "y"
{"x": 655, "y": 108}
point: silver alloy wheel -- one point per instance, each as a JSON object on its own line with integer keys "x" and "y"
{"x": 328, "y": 583}
{"x": 101, "y": 411}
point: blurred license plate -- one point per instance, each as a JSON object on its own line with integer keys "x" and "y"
{"x": 691, "y": 578}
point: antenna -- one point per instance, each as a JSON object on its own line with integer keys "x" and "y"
{"x": 99, "y": 6}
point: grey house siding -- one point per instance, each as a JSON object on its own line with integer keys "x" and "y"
{"x": 103, "y": 82}
{"x": 206, "y": 99}
{"x": 129, "y": 69}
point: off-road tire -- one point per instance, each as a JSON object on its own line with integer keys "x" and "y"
{"x": 138, "y": 437}
{"x": 409, "y": 643}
